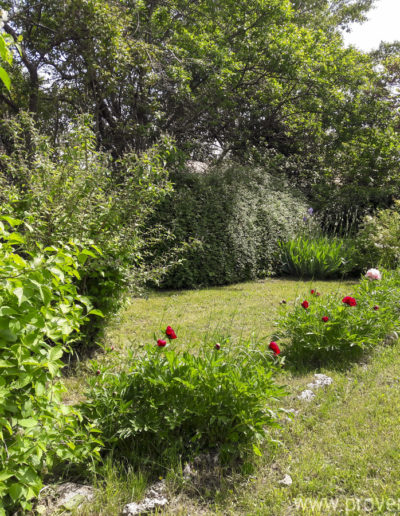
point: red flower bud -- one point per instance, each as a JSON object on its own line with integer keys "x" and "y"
{"x": 312, "y": 291}
{"x": 325, "y": 318}
{"x": 376, "y": 307}
{"x": 161, "y": 343}
{"x": 217, "y": 345}
{"x": 317, "y": 293}
{"x": 305, "y": 304}
{"x": 98, "y": 372}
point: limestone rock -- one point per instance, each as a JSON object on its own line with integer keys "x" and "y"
{"x": 155, "y": 498}
{"x": 321, "y": 380}
{"x": 306, "y": 395}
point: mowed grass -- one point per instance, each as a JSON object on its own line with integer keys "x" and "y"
{"x": 342, "y": 450}
{"x": 235, "y": 311}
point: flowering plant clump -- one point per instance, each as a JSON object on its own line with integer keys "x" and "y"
{"x": 373, "y": 274}
{"x": 328, "y": 329}
{"x": 186, "y": 403}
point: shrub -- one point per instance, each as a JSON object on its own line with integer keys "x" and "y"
{"x": 40, "y": 315}
{"x": 236, "y": 216}
{"x": 319, "y": 257}
{"x": 75, "y": 192}
{"x": 378, "y": 241}
{"x": 331, "y": 327}
{"x": 169, "y": 401}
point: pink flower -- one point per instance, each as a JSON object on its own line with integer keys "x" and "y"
{"x": 349, "y": 301}
{"x": 274, "y": 347}
{"x": 305, "y": 304}
{"x": 170, "y": 333}
{"x": 325, "y": 318}
{"x": 373, "y": 274}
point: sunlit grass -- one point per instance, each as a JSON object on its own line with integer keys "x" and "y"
{"x": 342, "y": 446}
{"x": 237, "y": 311}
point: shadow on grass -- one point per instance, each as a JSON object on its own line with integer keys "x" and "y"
{"x": 300, "y": 364}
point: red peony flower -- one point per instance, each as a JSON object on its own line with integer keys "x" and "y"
{"x": 305, "y": 304}
{"x": 217, "y": 345}
{"x": 349, "y": 301}
{"x": 312, "y": 291}
{"x": 325, "y": 318}
{"x": 275, "y": 348}
{"x": 376, "y": 307}
{"x": 161, "y": 343}
{"x": 170, "y": 333}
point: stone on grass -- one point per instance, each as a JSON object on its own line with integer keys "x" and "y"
{"x": 306, "y": 395}
{"x": 155, "y": 499}
{"x": 321, "y": 380}
{"x": 286, "y": 480}
{"x": 65, "y": 497}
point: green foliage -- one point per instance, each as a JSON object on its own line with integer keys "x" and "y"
{"x": 40, "y": 316}
{"x": 74, "y": 192}
{"x": 236, "y": 215}
{"x": 349, "y": 330}
{"x": 320, "y": 257}
{"x": 378, "y": 240}
{"x": 166, "y": 401}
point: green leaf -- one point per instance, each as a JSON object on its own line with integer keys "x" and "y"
{"x": 55, "y": 353}
{"x": 96, "y": 312}
{"x": 16, "y": 491}
{"x": 28, "y": 423}
{"x": 13, "y": 222}
{"x": 257, "y": 451}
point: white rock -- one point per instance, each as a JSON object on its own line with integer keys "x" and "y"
{"x": 286, "y": 480}
{"x": 155, "y": 498}
{"x": 70, "y": 496}
{"x": 144, "y": 507}
{"x": 320, "y": 381}
{"x": 306, "y": 395}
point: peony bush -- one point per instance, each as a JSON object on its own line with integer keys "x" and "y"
{"x": 169, "y": 403}
{"x": 332, "y": 327}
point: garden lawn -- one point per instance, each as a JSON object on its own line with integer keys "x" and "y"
{"x": 235, "y": 311}
{"x": 341, "y": 449}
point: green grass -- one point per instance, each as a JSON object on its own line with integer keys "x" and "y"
{"x": 237, "y": 311}
{"x": 342, "y": 448}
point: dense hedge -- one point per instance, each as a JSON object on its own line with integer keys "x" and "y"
{"x": 235, "y": 216}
